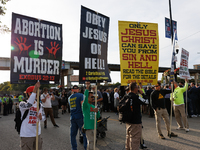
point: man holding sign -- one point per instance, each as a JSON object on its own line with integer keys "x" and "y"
{"x": 89, "y": 111}
{"x": 179, "y": 106}
{"x": 28, "y": 127}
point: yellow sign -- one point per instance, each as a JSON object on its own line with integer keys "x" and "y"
{"x": 139, "y": 52}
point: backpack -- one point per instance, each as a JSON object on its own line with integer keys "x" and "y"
{"x": 18, "y": 120}
{"x": 125, "y": 109}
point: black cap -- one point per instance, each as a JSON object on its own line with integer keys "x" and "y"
{"x": 75, "y": 87}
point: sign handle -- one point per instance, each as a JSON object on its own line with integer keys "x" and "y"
{"x": 186, "y": 98}
{"x": 95, "y": 118}
{"x": 141, "y": 139}
{"x": 37, "y": 124}
{"x": 170, "y": 128}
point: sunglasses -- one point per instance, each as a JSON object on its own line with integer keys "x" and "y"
{"x": 157, "y": 86}
{"x": 92, "y": 96}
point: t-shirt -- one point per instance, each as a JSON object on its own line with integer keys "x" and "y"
{"x": 157, "y": 98}
{"x": 28, "y": 127}
{"x": 116, "y": 101}
{"x": 75, "y": 106}
{"x": 87, "y": 113}
{"x": 116, "y": 95}
{"x": 47, "y": 103}
{"x": 178, "y": 95}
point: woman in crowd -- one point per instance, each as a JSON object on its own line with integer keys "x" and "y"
{"x": 55, "y": 104}
{"x": 64, "y": 101}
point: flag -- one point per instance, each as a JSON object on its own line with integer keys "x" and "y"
{"x": 173, "y": 58}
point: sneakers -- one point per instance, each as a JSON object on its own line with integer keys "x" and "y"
{"x": 142, "y": 146}
{"x": 179, "y": 128}
{"x": 56, "y": 126}
{"x": 172, "y": 135}
{"x": 161, "y": 136}
{"x": 187, "y": 130}
{"x": 194, "y": 116}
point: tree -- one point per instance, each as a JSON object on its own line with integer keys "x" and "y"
{"x": 7, "y": 87}
{"x": 3, "y": 28}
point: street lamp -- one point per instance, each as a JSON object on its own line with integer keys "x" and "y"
{"x": 177, "y": 47}
{"x": 177, "y": 50}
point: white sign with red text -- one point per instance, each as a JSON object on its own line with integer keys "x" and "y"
{"x": 183, "y": 71}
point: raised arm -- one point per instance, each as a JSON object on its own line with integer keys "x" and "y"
{"x": 24, "y": 105}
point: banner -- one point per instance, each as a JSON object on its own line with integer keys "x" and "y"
{"x": 183, "y": 71}
{"x": 173, "y": 60}
{"x": 139, "y": 52}
{"x": 168, "y": 28}
{"x": 93, "y": 46}
{"x": 36, "y": 50}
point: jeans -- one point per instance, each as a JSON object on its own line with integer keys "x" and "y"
{"x": 75, "y": 125}
{"x": 55, "y": 111}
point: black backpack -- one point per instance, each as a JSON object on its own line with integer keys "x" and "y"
{"x": 125, "y": 109}
{"x": 18, "y": 120}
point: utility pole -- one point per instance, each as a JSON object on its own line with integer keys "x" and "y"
{"x": 172, "y": 34}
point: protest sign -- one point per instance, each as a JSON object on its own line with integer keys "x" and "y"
{"x": 139, "y": 52}
{"x": 168, "y": 28}
{"x": 93, "y": 46}
{"x": 183, "y": 71}
{"x": 36, "y": 50}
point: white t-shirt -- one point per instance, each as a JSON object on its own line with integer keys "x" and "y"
{"x": 28, "y": 127}
{"x": 47, "y": 104}
{"x": 116, "y": 95}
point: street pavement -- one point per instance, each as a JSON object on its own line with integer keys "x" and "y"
{"x": 59, "y": 138}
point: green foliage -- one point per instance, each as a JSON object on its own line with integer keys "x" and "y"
{"x": 117, "y": 84}
{"x": 7, "y": 87}
{"x": 3, "y": 28}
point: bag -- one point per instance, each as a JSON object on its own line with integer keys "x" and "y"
{"x": 18, "y": 120}
{"x": 125, "y": 109}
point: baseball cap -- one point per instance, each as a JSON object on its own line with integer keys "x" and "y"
{"x": 127, "y": 89}
{"x": 30, "y": 89}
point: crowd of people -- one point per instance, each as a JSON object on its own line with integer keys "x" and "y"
{"x": 152, "y": 100}
{"x": 6, "y": 101}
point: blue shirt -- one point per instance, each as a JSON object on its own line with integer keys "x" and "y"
{"x": 75, "y": 106}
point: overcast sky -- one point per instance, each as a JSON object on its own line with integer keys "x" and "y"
{"x": 67, "y": 13}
